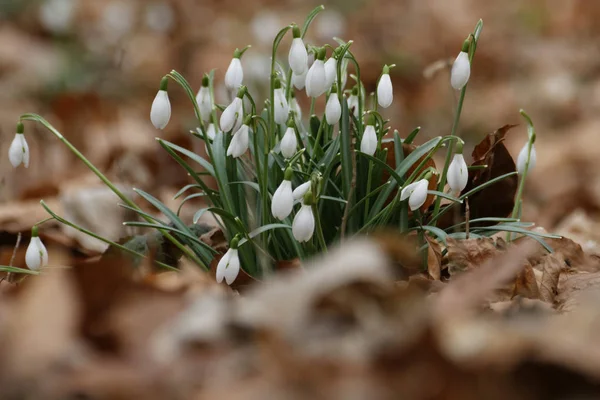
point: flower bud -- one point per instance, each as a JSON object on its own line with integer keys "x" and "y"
{"x": 211, "y": 131}
{"x": 458, "y": 174}
{"x": 229, "y": 265}
{"x": 368, "y": 144}
{"x": 461, "y": 70}
{"x": 204, "y": 100}
{"x": 298, "y": 56}
{"x": 416, "y": 193}
{"x": 333, "y": 109}
{"x": 239, "y": 142}
{"x": 283, "y": 201}
{"x": 353, "y": 101}
{"x": 299, "y": 81}
{"x": 385, "y": 91}
{"x": 295, "y": 107}
{"x": 315, "y": 79}
{"x": 36, "y": 255}
{"x": 303, "y": 226}
{"x": 281, "y": 106}
{"x": 18, "y": 152}
{"x": 232, "y": 115}
{"x": 235, "y": 74}
{"x": 522, "y": 164}
{"x": 160, "y": 113}
{"x": 289, "y": 143}
{"x": 330, "y": 72}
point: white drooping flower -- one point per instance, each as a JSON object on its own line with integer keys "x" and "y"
{"x": 229, "y": 265}
{"x": 239, "y": 142}
{"x": 416, "y": 193}
{"x": 385, "y": 91}
{"x": 295, "y": 108}
{"x": 461, "y": 70}
{"x": 330, "y": 72}
{"x": 281, "y": 106}
{"x": 231, "y": 118}
{"x": 333, "y": 109}
{"x": 301, "y": 190}
{"x": 316, "y": 81}
{"x": 299, "y": 81}
{"x": 18, "y": 152}
{"x": 353, "y": 101}
{"x": 303, "y": 226}
{"x": 458, "y": 174}
{"x": 211, "y": 131}
{"x": 522, "y": 159}
{"x": 204, "y": 100}
{"x": 283, "y": 201}
{"x": 289, "y": 143}
{"x": 36, "y": 255}
{"x": 368, "y": 144}
{"x": 160, "y": 113}
{"x": 235, "y": 73}
{"x": 298, "y": 56}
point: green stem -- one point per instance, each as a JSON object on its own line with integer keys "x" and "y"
{"x": 107, "y": 182}
{"x": 320, "y": 236}
{"x": 367, "y": 201}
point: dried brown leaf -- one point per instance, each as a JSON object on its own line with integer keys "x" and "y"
{"x": 552, "y": 265}
{"x": 469, "y": 253}
{"x": 526, "y": 284}
{"x": 434, "y": 260}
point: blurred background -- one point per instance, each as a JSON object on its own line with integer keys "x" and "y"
{"x": 92, "y": 68}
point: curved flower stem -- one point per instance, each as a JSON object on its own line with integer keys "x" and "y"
{"x": 107, "y": 182}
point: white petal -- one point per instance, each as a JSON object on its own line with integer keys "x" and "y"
{"x": 233, "y": 268}
{"x": 461, "y": 70}
{"x": 333, "y": 109}
{"x": 239, "y": 142}
{"x": 353, "y": 104}
{"x": 231, "y": 115}
{"x": 458, "y": 174}
{"x": 211, "y": 131}
{"x": 283, "y": 201}
{"x": 36, "y": 255}
{"x": 234, "y": 75}
{"x": 330, "y": 72}
{"x": 385, "y": 91}
{"x": 419, "y": 195}
{"x": 204, "y": 103}
{"x": 298, "y": 56}
{"x": 295, "y": 107}
{"x": 303, "y": 226}
{"x": 299, "y": 81}
{"x": 289, "y": 143}
{"x": 18, "y": 152}
{"x": 522, "y": 159}
{"x": 282, "y": 108}
{"x": 315, "y": 79}
{"x": 301, "y": 190}
{"x": 222, "y": 266}
{"x": 407, "y": 191}
{"x": 160, "y": 113}
{"x": 368, "y": 144}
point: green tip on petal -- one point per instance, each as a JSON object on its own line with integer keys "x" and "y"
{"x": 386, "y": 70}
{"x": 247, "y": 119}
{"x": 458, "y": 147}
{"x": 205, "y": 80}
{"x": 334, "y": 88}
{"x": 288, "y": 174}
{"x": 20, "y": 127}
{"x": 466, "y": 45}
{"x": 242, "y": 91}
{"x": 164, "y": 82}
{"x": 296, "y": 31}
{"x": 234, "y": 242}
{"x": 290, "y": 121}
{"x": 308, "y": 197}
{"x": 34, "y": 231}
{"x": 321, "y": 54}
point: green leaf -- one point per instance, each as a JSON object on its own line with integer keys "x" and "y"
{"x": 486, "y": 184}
{"x": 485, "y": 219}
{"x": 185, "y": 189}
{"x": 263, "y": 229}
{"x": 15, "y": 270}
{"x": 309, "y": 19}
{"x": 437, "y": 232}
{"x": 190, "y": 197}
{"x": 333, "y": 199}
{"x": 171, "y": 229}
{"x": 444, "y": 195}
{"x": 411, "y": 136}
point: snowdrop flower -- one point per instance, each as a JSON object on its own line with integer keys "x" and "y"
{"x": 160, "y": 113}
{"x": 211, "y": 131}
{"x": 229, "y": 265}
{"x": 458, "y": 174}
{"x": 522, "y": 165}
{"x": 461, "y": 69}
{"x": 298, "y": 56}
{"x": 416, "y": 193}
{"x": 18, "y": 152}
{"x": 385, "y": 91}
{"x": 315, "y": 79}
{"x": 289, "y": 143}
{"x": 283, "y": 201}
{"x": 295, "y": 107}
{"x": 235, "y": 74}
{"x": 299, "y": 81}
{"x": 333, "y": 109}
{"x": 204, "y": 100}
{"x": 281, "y": 106}
{"x": 36, "y": 255}
{"x": 330, "y": 72}
{"x": 368, "y": 144}
{"x": 239, "y": 141}
{"x": 353, "y": 101}
{"x": 303, "y": 226}
{"x": 231, "y": 118}
{"x": 301, "y": 190}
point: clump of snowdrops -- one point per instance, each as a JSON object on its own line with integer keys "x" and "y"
{"x": 292, "y": 182}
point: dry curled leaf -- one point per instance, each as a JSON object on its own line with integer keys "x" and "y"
{"x": 551, "y": 265}
{"x": 525, "y": 284}
{"x": 469, "y": 253}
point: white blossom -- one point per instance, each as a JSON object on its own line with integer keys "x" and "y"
{"x": 283, "y": 201}
{"x": 301, "y": 190}
{"x": 298, "y": 56}
{"x": 36, "y": 255}
{"x": 385, "y": 91}
{"x": 239, "y": 142}
{"x": 522, "y": 159}
{"x": 299, "y": 81}
{"x": 368, "y": 144}
{"x": 458, "y": 174}
{"x": 316, "y": 80}
{"x": 416, "y": 193}
{"x": 160, "y": 113}
{"x": 282, "y": 108}
{"x": 461, "y": 70}
{"x": 211, "y": 131}
{"x": 295, "y": 107}
{"x": 330, "y": 72}
{"x": 289, "y": 143}
{"x": 232, "y": 115}
{"x": 18, "y": 152}
{"x": 228, "y": 267}
{"x": 234, "y": 75}
{"x": 333, "y": 109}
{"x": 204, "y": 103}
{"x": 353, "y": 104}
{"x": 303, "y": 226}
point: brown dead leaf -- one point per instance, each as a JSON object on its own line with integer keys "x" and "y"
{"x": 552, "y": 265}
{"x": 434, "y": 260}
{"x": 571, "y": 252}
{"x": 525, "y": 284}
{"x": 469, "y": 253}
{"x": 573, "y": 288}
